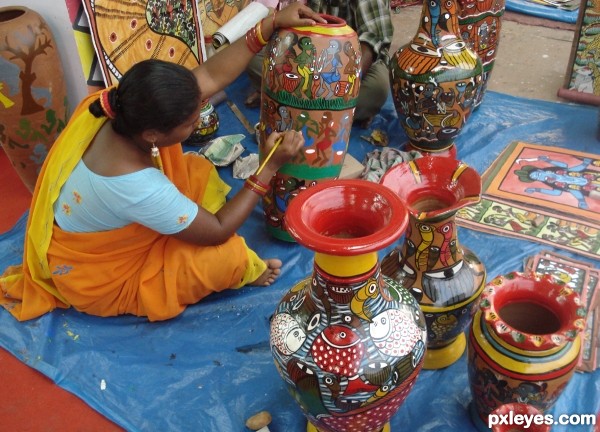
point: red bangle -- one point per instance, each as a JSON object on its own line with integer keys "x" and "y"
{"x": 255, "y": 185}
{"x": 252, "y": 41}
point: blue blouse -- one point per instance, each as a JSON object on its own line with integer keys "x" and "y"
{"x": 89, "y": 202}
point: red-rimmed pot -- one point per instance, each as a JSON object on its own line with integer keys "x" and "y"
{"x": 445, "y": 277}
{"x": 524, "y": 342}
{"x": 348, "y": 341}
{"x": 310, "y": 83}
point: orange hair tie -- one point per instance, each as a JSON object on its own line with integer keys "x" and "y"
{"x": 105, "y": 104}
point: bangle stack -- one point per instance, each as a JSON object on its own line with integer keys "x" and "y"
{"x": 253, "y": 184}
{"x": 254, "y": 38}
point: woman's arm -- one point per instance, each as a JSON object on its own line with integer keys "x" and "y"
{"x": 213, "y": 229}
{"x": 226, "y": 65}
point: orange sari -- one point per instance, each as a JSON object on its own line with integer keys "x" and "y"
{"x": 130, "y": 270}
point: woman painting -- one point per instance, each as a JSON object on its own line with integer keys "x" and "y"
{"x": 122, "y": 222}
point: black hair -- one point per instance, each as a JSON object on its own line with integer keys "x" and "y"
{"x": 153, "y": 94}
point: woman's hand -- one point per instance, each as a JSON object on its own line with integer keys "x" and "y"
{"x": 213, "y": 229}
{"x": 296, "y": 15}
{"x": 291, "y": 142}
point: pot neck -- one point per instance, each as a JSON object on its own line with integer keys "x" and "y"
{"x": 346, "y": 266}
{"x": 430, "y": 22}
{"x": 429, "y": 235}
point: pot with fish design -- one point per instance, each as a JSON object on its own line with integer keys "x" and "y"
{"x": 348, "y": 341}
{"x": 310, "y": 83}
{"x": 444, "y": 276}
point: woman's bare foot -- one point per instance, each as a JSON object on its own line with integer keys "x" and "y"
{"x": 270, "y": 274}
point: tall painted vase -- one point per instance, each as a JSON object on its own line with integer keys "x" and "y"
{"x": 310, "y": 83}
{"x": 444, "y": 276}
{"x": 480, "y": 22}
{"x": 524, "y": 343}
{"x": 33, "y": 102}
{"x": 348, "y": 341}
{"x": 436, "y": 79}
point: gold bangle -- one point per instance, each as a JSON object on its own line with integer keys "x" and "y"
{"x": 259, "y": 35}
{"x": 252, "y": 187}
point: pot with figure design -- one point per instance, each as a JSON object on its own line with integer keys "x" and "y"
{"x": 524, "y": 343}
{"x": 436, "y": 79}
{"x": 32, "y": 90}
{"x": 310, "y": 83}
{"x": 443, "y": 275}
{"x": 348, "y": 341}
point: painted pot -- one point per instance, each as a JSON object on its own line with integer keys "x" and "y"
{"x": 310, "y": 83}
{"x": 208, "y": 125}
{"x": 443, "y": 275}
{"x": 480, "y": 22}
{"x": 348, "y": 341}
{"x": 436, "y": 79}
{"x": 33, "y": 97}
{"x": 524, "y": 342}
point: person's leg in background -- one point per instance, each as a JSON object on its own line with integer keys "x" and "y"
{"x": 374, "y": 90}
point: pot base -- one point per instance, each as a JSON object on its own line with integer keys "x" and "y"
{"x": 312, "y": 428}
{"x": 439, "y": 358}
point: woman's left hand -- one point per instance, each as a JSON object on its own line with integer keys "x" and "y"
{"x": 297, "y": 15}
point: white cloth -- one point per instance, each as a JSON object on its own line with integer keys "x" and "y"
{"x": 237, "y": 26}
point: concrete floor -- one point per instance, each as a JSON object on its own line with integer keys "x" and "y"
{"x": 533, "y": 54}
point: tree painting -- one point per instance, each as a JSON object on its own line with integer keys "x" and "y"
{"x": 24, "y": 47}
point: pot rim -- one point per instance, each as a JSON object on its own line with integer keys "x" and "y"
{"x": 328, "y": 199}
{"x": 543, "y": 290}
{"x": 15, "y": 8}
{"x": 335, "y": 26}
{"x": 452, "y": 181}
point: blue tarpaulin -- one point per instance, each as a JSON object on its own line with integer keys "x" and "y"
{"x": 211, "y": 368}
{"x": 542, "y": 11}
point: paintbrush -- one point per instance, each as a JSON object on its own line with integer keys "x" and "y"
{"x": 264, "y": 162}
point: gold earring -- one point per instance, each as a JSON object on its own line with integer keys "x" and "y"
{"x": 156, "y": 159}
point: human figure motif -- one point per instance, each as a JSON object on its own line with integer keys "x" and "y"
{"x": 332, "y": 76}
{"x": 284, "y": 65}
{"x": 304, "y": 60}
{"x": 352, "y": 69}
{"x": 372, "y": 21}
{"x": 310, "y": 130}
{"x": 325, "y": 139}
{"x": 580, "y": 182}
{"x": 285, "y": 119}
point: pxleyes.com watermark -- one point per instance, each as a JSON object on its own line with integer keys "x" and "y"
{"x": 525, "y": 421}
